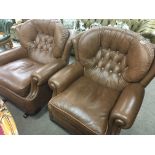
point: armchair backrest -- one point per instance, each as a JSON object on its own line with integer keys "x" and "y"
{"x": 113, "y": 57}
{"x": 44, "y": 39}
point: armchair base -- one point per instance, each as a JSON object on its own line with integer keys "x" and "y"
{"x": 28, "y": 106}
{"x": 64, "y": 121}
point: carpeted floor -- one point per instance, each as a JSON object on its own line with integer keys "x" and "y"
{"x": 40, "y": 124}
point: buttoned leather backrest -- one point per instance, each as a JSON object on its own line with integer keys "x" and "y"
{"x": 114, "y": 57}
{"x": 44, "y": 39}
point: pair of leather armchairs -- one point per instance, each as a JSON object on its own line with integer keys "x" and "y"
{"x": 100, "y": 93}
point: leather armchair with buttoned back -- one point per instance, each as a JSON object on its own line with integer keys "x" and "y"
{"x": 24, "y": 71}
{"x": 102, "y": 92}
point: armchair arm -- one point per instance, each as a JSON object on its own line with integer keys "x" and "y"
{"x": 125, "y": 111}
{"x": 12, "y": 55}
{"x": 61, "y": 80}
{"x": 43, "y": 74}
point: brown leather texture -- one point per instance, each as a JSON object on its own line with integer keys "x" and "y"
{"x": 150, "y": 75}
{"x": 44, "y": 39}
{"x": 12, "y": 55}
{"x": 16, "y": 75}
{"x": 24, "y": 71}
{"x": 108, "y": 56}
{"x": 102, "y": 92}
{"x": 83, "y": 102}
{"x": 70, "y": 74}
{"x": 43, "y": 73}
{"x": 128, "y": 105}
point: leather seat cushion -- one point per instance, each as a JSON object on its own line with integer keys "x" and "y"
{"x": 86, "y": 105}
{"x": 16, "y": 75}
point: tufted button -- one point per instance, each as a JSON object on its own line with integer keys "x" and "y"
{"x": 102, "y": 68}
{"x": 119, "y": 74}
{"x": 119, "y": 63}
{"x": 96, "y": 66}
{"x": 110, "y": 71}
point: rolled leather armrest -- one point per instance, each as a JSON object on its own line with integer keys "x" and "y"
{"x": 127, "y": 106}
{"x": 12, "y": 55}
{"x": 62, "y": 79}
{"x": 44, "y": 73}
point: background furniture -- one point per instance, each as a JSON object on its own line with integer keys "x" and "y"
{"x": 147, "y": 29}
{"x": 7, "y": 123}
{"x": 5, "y": 25}
{"x": 103, "y": 91}
{"x": 24, "y": 71}
{"x": 13, "y": 31}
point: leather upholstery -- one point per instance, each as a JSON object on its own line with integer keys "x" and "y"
{"x": 128, "y": 105}
{"x": 12, "y": 55}
{"x": 87, "y": 107}
{"x": 24, "y": 71}
{"x": 43, "y": 73}
{"x": 17, "y": 75}
{"x": 70, "y": 74}
{"x": 44, "y": 39}
{"x": 111, "y": 61}
{"x": 102, "y": 92}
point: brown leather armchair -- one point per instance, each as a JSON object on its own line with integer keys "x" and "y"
{"x": 103, "y": 91}
{"x": 24, "y": 71}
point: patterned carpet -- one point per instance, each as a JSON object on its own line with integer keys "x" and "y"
{"x": 7, "y": 124}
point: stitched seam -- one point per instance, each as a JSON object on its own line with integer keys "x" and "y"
{"x": 74, "y": 118}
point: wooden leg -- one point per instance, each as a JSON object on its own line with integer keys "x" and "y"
{"x": 25, "y": 115}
